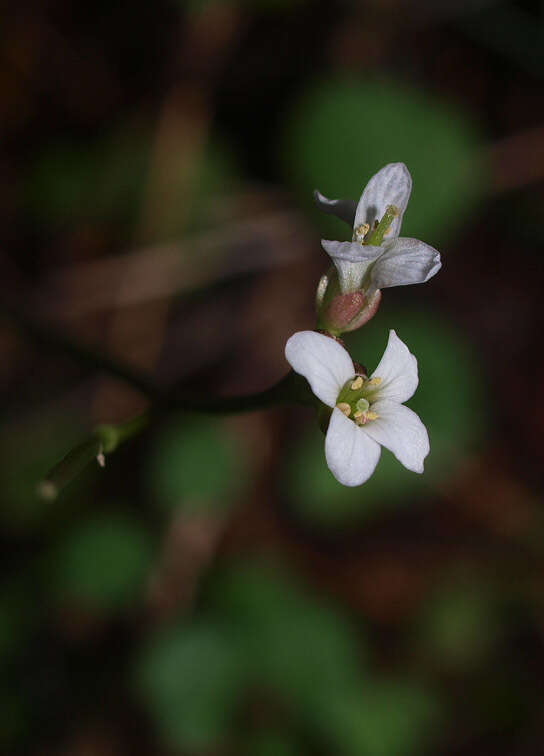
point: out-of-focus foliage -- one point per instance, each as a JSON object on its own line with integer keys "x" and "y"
{"x": 270, "y": 743}
{"x": 385, "y": 718}
{"x": 26, "y": 450}
{"x": 450, "y": 399}
{"x": 195, "y": 464}
{"x": 102, "y": 563}
{"x": 263, "y": 638}
{"x": 459, "y": 627}
{"x": 341, "y": 132}
{"x": 190, "y": 677}
{"x": 106, "y": 180}
{"x": 97, "y": 181}
{"x": 271, "y": 613}
{"x": 128, "y": 622}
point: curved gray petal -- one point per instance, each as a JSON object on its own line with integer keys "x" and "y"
{"x": 352, "y": 261}
{"x": 343, "y": 209}
{"x": 390, "y": 186}
{"x": 405, "y": 261}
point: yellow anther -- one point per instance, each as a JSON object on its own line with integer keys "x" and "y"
{"x": 360, "y": 232}
{"x": 358, "y": 414}
{"x": 372, "y": 416}
{"x": 344, "y": 408}
{"x": 374, "y": 382}
{"x": 357, "y": 383}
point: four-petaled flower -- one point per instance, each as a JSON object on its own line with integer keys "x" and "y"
{"x": 377, "y": 257}
{"x": 366, "y": 412}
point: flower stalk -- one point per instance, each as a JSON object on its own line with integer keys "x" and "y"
{"x": 359, "y": 414}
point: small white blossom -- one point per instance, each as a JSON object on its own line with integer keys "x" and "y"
{"x": 394, "y": 260}
{"x": 366, "y": 412}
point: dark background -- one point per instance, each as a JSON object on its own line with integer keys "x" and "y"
{"x": 213, "y": 590}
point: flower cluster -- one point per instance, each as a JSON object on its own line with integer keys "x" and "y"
{"x": 376, "y": 257}
{"x": 366, "y": 412}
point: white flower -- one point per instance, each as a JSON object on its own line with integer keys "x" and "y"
{"x": 375, "y": 260}
{"x": 366, "y": 412}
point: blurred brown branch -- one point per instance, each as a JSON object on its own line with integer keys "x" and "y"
{"x": 160, "y": 271}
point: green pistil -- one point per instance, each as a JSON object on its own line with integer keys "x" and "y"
{"x": 376, "y": 237}
{"x": 362, "y": 405}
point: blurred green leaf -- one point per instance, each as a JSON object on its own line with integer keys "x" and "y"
{"x": 195, "y": 464}
{"x": 271, "y": 743}
{"x": 106, "y": 181}
{"x": 341, "y": 132}
{"x": 102, "y": 563}
{"x": 286, "y": 634}
{"x": 387, "y": 718}
{"x": 459, "y": 626}
{"x": 96, "y": 181}
{"x": 450, "y": 400}
{"x": 190, "y": 678}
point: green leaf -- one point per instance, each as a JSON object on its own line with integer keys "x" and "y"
{"x": 286, "y": 634}
{"x": 342, "y": 131}
{"x": 387, "y": 718}
{"x": 271, "y": 743}
{"x": 99, "y": 181}
{"x": 102, "y": 563}
{"x": 195, "y": 465}
{"x": 190, "y": 678}
{"x": 459, "y": 627}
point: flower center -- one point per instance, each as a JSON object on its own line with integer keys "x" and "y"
{"x": 379, "y": 230}
{"x": 355, "y": 399}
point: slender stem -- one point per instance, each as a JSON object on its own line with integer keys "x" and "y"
{"x": 60, "y": 342}
{"x": 289, "y": 389}
{"x": 105, "y": 439}
{"x": 69, "y": 466}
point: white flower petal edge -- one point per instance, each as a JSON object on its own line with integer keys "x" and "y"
{"x": 390, "y": 186}
{"x": 400, "y": 430}
{"x": 405, "y": 261}
{"x": 351, "y": 454}
{"x": 397, "y": 370}
{"x": 322, "y": 361}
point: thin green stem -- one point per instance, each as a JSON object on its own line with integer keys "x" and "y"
{"x": 105, "y": 439}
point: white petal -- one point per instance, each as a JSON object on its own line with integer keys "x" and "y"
{"x": 390, "y": 186}
{"x": 351, "y": 454}
{"x": 351, "y": 260}
{"x": 398, "y": 371}
{"x": 322, "y": 361}
{"x": 343, "y": 209}
{"x": 401, "y": 431}
{"x": 405, "y": 261}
